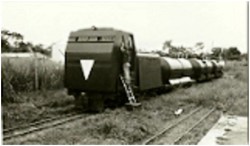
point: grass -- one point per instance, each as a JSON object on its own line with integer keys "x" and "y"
{"x": 21, "y": 104}
{"x": 18, "y": 75}
{"x": 229, "y": 94}
{"x": 38, "y": 105}
{"x": 118, "y": 126}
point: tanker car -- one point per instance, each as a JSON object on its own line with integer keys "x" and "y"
{"x": 98, "y": 71}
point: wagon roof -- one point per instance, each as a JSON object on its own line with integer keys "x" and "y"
{"x": 100, "y": 31}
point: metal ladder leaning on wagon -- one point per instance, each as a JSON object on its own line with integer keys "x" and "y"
{"x": 126, "y": 77}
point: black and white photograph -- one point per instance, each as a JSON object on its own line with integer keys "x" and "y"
{"x": 124, "y": 72}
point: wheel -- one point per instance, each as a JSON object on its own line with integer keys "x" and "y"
{"x": 81, "y": 102}
{"x": 89, "y": 102}
{"x": 95, "y": 102}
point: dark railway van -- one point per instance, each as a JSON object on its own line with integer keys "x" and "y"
{"x": 93, "y": 64}
{"x": 92, "y": 60}
{"x": 102, "y": 68}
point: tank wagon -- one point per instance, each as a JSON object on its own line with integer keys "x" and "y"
{"x": 103, "y": 64}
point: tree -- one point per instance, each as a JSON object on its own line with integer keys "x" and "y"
{"x": 5, "y": 35}
{"x": 244, "y": 56}
{"x": 13, "y": 42}
{"x": 199, "y": 45}
{"x": 167, "y": 44}
{"x": 18, "y": 38}
{"x": 216, "y": 52}
{"x": 232, "y": 53}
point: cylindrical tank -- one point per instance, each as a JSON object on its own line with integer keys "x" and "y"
{"x": 173, "y": 68}
{"x": 187, "y": 69}
{"x": 170, "y": 68}
{"x": 198, "y": 68}
{"x": 209, "y": 66}
{"x": 221, "y": 64}
{"x": 218, "y": 67}
{"x": 215, "y": 68}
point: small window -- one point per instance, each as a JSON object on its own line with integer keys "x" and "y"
{"x": 99, "y": 38}
{"x": 130, "y": 42}
{"x": 92, "y": 39}
{"x": 72, "y": 39}
{"x": 107, "y": 38}
{"x": 83, "y": 38}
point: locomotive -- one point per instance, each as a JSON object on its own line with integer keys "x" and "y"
{"x": 98, "y": 71}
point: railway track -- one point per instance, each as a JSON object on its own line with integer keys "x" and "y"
{"x": 174, "y": 133}
{"x": 23, "y": 130}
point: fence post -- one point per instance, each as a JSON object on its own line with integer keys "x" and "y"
{"x": 36, "y": 74}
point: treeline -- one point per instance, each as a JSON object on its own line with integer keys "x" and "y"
{"x": 14, "y": 42}
{"x": 231, "y": 53}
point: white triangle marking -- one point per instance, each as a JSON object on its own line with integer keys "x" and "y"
{"x": 87, "y": 65}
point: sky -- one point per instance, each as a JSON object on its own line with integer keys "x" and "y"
{"x": 216, "y": 24}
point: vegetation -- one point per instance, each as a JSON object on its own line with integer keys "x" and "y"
{"x": 23, "y": 74}
{"x": 118, "y": 126}
{"x": 35, "y": 106}
{"x": 29, "y": 89}
{"x": 18, "y": 75}
{"x": 14, "y": 42}
{"x": 231, "y": 53}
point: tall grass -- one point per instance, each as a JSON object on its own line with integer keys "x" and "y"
{"x": 18, "y": 75}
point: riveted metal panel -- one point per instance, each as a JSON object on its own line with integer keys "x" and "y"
{"x": 149, "y": 69}
{"x": 105, "y": 67}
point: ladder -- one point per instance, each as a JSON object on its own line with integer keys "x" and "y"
{"x": 129, "y": 93}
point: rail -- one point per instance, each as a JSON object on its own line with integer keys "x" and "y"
{"x": 156, "y": 136}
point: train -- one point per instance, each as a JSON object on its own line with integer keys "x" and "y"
{"x": 103, "y": 67}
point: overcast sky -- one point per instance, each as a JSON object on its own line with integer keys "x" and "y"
{"x": 221, "y": 24}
